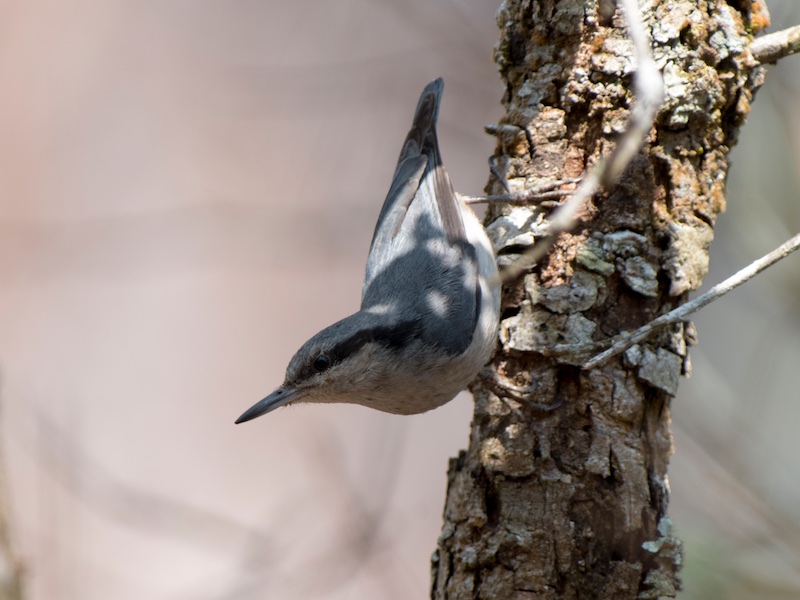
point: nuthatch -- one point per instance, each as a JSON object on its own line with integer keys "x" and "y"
{"x": 430, "y": 303}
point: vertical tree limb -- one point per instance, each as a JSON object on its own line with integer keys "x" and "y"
{"x": 572, "y": 502}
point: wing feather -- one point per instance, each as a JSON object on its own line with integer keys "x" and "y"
{"x": 421, "y": 261}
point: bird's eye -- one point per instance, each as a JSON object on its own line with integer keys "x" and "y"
{"x": 322, "y": 363}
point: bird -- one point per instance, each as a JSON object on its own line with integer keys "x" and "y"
{"x": 430, "y": 303}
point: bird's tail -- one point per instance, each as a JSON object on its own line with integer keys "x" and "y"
{"x": 421, "y": 138}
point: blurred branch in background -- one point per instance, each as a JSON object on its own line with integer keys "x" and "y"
{"x": 358, "y": 546}
{"x": 12, "y": 566}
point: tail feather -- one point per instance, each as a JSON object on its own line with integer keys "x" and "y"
{"x": 421, "y": 180}
{"x": 421, "y": 138}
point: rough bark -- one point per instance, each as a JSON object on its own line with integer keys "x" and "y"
{"x": 571, "y": 502}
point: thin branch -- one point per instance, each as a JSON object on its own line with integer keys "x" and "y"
{"x": 625, "y": 341}
{"x": 544, "y": 191}
{"x": 775, "y": 46}
{"x": 649, "y": 91}
{"x": 12, "y": 566}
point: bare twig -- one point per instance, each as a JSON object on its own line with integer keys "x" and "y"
{"x": 495, "y": 170}
{"x": 649, "y": 91}
{"x": 540, "y": 192}
{"x": 626, "y": 340}
{"x": 775, "y": 46}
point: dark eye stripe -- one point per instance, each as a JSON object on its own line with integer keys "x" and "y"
{"x": 394, "y": 337}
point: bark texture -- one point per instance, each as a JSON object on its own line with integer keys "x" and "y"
{"x": 571, "y": 502}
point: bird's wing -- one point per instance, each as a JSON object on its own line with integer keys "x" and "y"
{"x": 420, "y": 258}
{"x": 419, "y": 178}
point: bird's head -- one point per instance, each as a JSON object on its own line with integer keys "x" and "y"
{"x": 351, "y": 362}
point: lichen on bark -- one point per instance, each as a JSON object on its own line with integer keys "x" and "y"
{"x": 571, "y": 502}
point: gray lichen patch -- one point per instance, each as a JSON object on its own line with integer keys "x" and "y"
{"x": 578, "y": 294}
{"x": 519, "y": 227}
{"x": 624, "y": 243}
{"x": 640, "y": 275}
{"x": 591, "y": 256}
{"x": 680, "y": 15}
{"x": 686, "y": 259}
{"x": 637, "y": 269}
{"x": 669, "y": 552}
{"x": 661, "y": 369}
{"x": 533, "y": 329}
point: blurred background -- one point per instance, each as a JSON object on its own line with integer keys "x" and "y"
{"x": 187, "y": 192}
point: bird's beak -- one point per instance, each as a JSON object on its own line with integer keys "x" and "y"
{"x": 280, "y": 397}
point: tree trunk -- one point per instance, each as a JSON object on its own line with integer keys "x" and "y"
{"x": 570, "y": 500}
